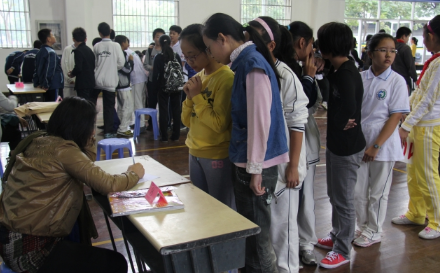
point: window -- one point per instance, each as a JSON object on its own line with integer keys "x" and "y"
{"x": 14, "y": 24}
{"x": 367, "y": 17}
{"x": 279, "y": 10}
{"x": 137, "y": 19}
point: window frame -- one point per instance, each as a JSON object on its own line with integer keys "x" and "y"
{"x": 287, "y": 5}
{"x": 146, "y": 35}
{"x": 25, "y": 34}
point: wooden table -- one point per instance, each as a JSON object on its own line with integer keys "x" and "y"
{"x": 44, "y": 117}
{"x": 27, "y": 93}
{"x": 207, "y": 236}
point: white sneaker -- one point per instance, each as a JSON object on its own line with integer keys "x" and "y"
{"x": 402, "y": 220}
{"x": 429, "y": 234}
{"x": 324, "y": 105}
{"x": 363, "y": 241}
{"x": 357, "y": 234}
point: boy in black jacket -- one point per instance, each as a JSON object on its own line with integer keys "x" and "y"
{"x": 84, "y": 69}
{"x": 345, "y": 140}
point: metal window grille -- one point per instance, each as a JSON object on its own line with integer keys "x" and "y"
{"x": 137, "y": 19}
{"x": 279, "y": 10}
{"x": 15, "y": 31}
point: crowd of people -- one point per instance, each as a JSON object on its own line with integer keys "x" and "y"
{"x": 253, "y": 141}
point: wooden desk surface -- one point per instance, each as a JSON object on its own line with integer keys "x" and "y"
{"x": 166, "y": 177}
{"x": 44, "y": 117}
{"x": 27, "y": 89}
{"x": 203, "y": 219}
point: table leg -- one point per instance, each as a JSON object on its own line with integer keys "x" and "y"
{"x": 110, "y": 232}
{"x": 127, "y": 247}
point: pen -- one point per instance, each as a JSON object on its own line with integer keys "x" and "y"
{"x": 132, "y": 156}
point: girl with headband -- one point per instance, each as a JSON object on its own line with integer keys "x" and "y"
{"x": 258, "y": 140}
{"x": 284, "y": 227}
{"x": 422, "y": 126}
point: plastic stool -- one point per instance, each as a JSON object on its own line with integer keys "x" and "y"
{"x": 137, "y": 117}
{"x": 5, "y": 269}
{"x": 111, "y": 144}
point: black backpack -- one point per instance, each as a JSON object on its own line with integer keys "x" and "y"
{"x": 173, "y": 76}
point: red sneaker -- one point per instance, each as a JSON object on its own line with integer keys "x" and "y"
{"x": 325, "y": 242}
{"x": 333, "y": 260}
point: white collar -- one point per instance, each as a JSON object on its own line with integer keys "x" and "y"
{"x": 239, "y": 49}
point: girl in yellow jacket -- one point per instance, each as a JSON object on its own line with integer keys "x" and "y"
{"x": 207, "y": 113}
{"x": 423, "y": 127}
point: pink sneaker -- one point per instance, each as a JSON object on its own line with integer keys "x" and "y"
{"x": 333, "y": 260}
{"x": 429, "y": 233}
{"x": 325, "y": 242}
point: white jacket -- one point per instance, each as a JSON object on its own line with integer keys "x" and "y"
{"x": 108, "y": 59}
{"x": 67, "y": 64}
{"x": 294, "y": 102}
{"x": 138, "y": 74}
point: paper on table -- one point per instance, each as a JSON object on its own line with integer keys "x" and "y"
{"x": 147, "y": 177}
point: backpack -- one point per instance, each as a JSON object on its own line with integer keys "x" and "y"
{"x": 173, "y": 76}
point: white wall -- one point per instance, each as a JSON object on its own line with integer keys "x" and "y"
{"x": 89, "y": 13}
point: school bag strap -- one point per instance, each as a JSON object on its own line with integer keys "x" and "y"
{"x": 21, "y": 147}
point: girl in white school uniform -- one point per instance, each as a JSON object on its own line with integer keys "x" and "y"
{"x": 284, "y": 227}
{"x": 384, "y": 101}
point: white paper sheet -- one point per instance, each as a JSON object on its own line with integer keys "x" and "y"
{"x": 147, "y": 177}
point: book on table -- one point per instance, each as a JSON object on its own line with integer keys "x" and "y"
{"x": 132, "y": 202}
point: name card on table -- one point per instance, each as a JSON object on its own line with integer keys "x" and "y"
{"x": 152, "y": 193}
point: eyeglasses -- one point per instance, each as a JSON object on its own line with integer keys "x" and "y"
{"x": 384, "y": 50}
{"x": 192, "y": 58}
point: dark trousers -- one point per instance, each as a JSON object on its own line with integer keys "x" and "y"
{"x": 74, "y": 257}
{"x": 260, "y": 255}
{"x": 85, "y": 93}
{"x": 51, "y": 95}
{"x": 108, "y": 101}
{"x": 12, "y": 80}
{"x": 152, "y": 98}
{"x": 12, "y": 135}
{"x": 174, "y": 103}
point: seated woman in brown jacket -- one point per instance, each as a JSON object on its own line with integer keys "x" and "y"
{"x": 43, "y": 197}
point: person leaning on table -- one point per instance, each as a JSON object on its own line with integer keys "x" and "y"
{"x": 42, "y": 201}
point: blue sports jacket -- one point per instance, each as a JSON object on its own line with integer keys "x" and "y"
{"x": 48, "y": 72}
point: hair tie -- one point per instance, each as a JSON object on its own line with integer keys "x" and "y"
{"x": 288, "y": 27}
{"x": 266, "y": 27}
{"x": 430, "y": 28}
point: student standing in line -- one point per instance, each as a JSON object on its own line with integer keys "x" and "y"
{"x": 109, "y": 59}
{"x": 404, "y": 62}
{"x": 206, "y": 111}
{"x": 138, "y": 80}
{"x": 123, "y": 90}
{"x": 345, "y": 140}
{"x": 302, "y": 36}
{"x": 148, "y": 65}
{"x": 385, "y": 100}
{"x": 414, "y": 42}
{"x": 28, "y": 67}
{"x": 67, "y": 64}
{"x": 84, "y": 69}
{"x": 258, "y": 140}
{"x": 284, "y": 227}
{"x": 167, "y": 98}
{"x": 423, "y": 127}
{"x": 48, "y": 73}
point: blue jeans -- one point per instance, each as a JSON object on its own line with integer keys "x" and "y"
{"x": 260, "y": 256}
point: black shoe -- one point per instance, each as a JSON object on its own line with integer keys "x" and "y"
{"x": 101, "y": 127}
{"x": 174, "y": 139}
{"x": 150, "y": 128}
{"x": 132, "y": 126}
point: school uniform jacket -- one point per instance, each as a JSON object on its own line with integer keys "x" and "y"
{"x": 294, "y": 102}
{"x": 28, "y": 67}
{"x": 109, "y": 59}
{"x": 48, "y": 72}
{"x": 84, "y": 69}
